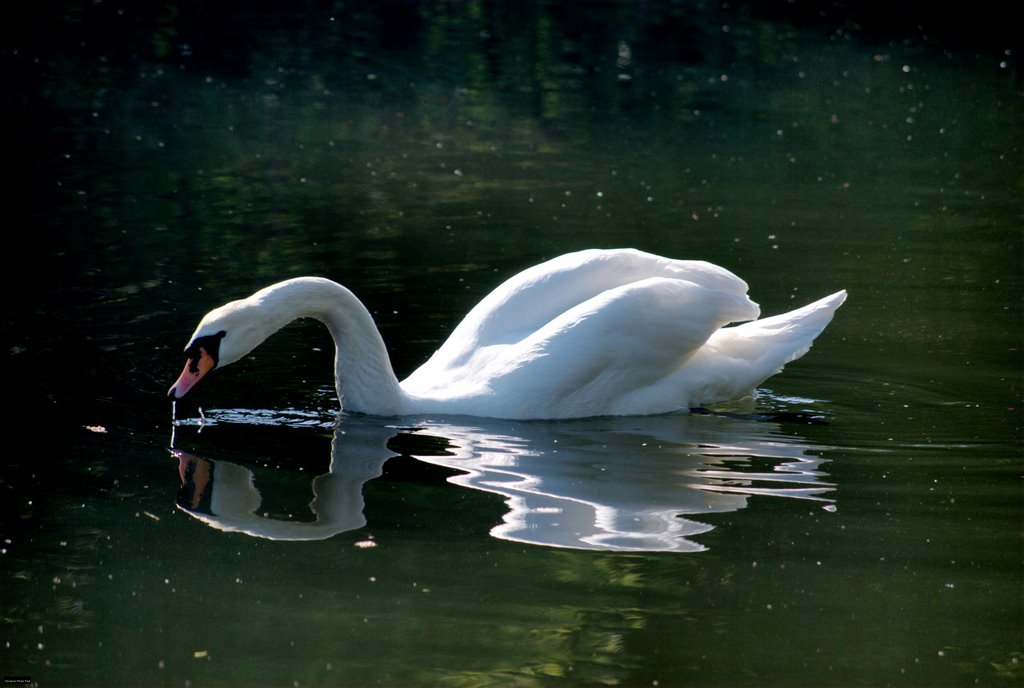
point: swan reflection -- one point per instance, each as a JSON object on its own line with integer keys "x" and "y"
{"x": 627, "y": 484}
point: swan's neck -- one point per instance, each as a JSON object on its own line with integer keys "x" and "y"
{"x": 364, "y": 378}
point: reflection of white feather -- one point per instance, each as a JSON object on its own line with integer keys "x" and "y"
{"x": 627, "y": 484}
{"x": 337, "y": 504}
{"x": 598, "y": 332}
{"x": 622, "y": 484}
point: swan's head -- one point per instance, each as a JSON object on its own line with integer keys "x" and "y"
{"x": 224, "y": 335}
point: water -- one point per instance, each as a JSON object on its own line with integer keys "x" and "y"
{"x": 168, "y": 160}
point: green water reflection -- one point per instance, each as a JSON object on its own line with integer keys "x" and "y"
{"x": 168, "y": 158}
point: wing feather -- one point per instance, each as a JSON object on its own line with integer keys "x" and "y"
{"x": 541, "y": 295}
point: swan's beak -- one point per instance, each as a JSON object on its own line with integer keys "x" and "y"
{"x": 195, "y": 368}
{"x": 196, "y": 476}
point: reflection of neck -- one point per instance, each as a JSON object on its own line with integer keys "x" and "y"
{"x": 224, "y": 496}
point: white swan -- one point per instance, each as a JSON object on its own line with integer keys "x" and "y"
{"x": 597, "y": 332}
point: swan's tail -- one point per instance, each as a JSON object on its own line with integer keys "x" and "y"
{"x": 736, "y": 360}
{"x": 782, "y": 338}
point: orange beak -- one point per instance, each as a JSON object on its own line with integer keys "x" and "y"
{"x": 195, "y": 368}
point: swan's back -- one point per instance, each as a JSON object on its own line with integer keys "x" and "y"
{"x": 535, "y": 297}
{"x": 589, "y": 333}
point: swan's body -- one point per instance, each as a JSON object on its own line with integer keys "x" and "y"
{"x": 598, "y": 332}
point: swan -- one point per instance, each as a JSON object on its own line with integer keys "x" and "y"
{"x": 598, "y": 332}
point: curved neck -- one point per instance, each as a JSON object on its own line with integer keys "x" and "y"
{"x": 364, "y": 378}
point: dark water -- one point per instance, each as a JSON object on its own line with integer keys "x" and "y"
{"x": 169, "y": 158}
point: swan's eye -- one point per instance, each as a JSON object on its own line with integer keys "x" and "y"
{"x": 210, "y": 344}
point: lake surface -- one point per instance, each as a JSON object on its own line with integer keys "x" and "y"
{"x": 858, "y": 523}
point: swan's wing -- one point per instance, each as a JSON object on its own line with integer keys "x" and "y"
{"x": 592, "y": 358}
{"x": 532, "y": 299}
